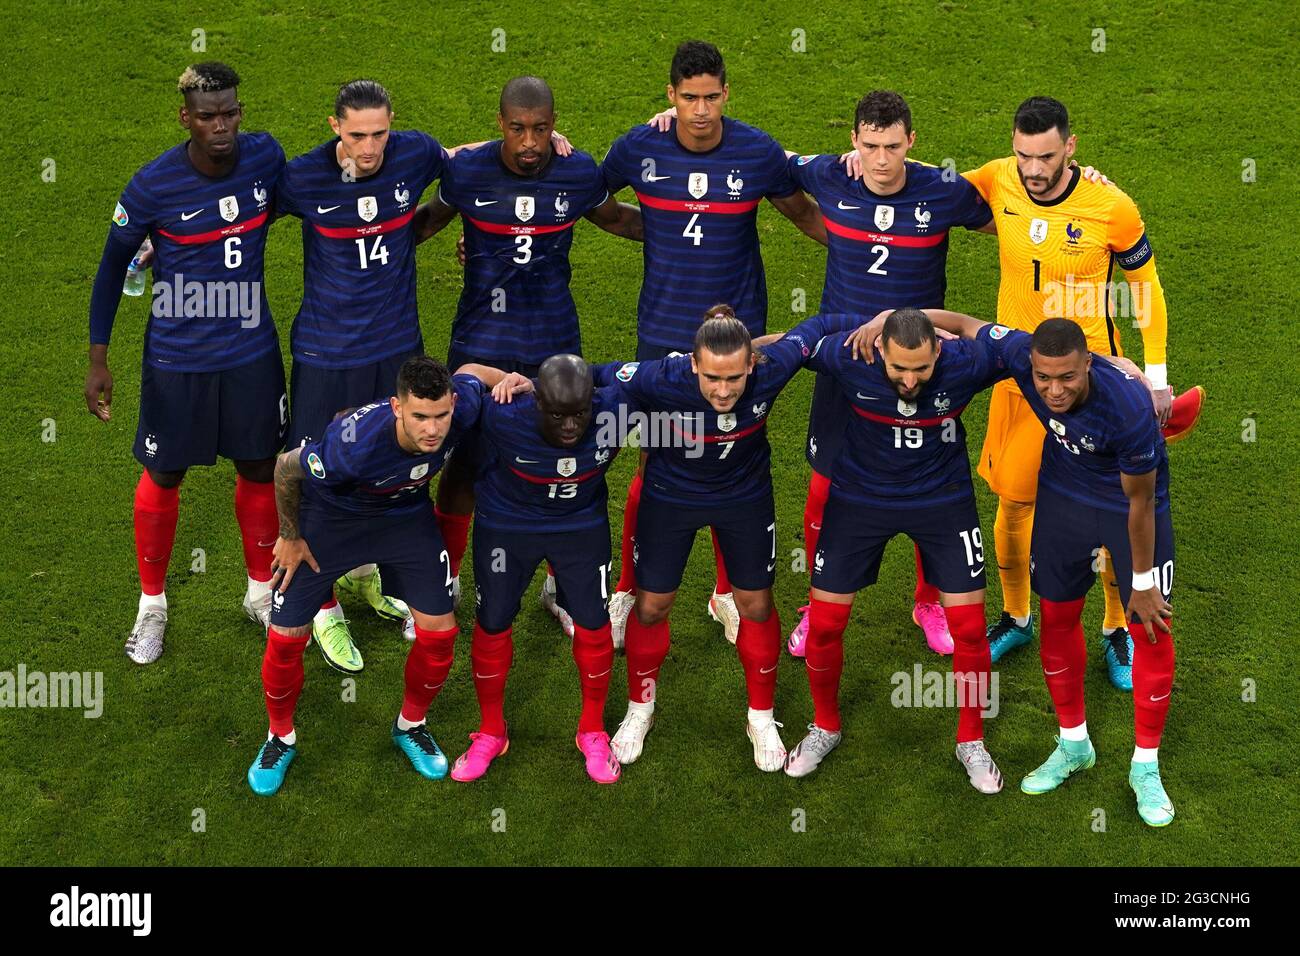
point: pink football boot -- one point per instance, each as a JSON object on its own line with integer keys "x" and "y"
{"x": 483, "y": 749}
{"x": 602, "y": 766}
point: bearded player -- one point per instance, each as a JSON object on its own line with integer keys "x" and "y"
{"x": 212, "y": 383}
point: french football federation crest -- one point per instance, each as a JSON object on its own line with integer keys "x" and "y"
{"x": 727, "y": 422}
{"x": 906, "y": 409}
{"x": 229, "y": 207}
{"x": 1037, "y": 230}
{"x": 367, "y": 208}
{"x": 922, "y": 217}
{"x": 259, "y": 195}
{"x": 734, "y": 184}
{"x": 942, "y": 402}
{"x": 820, "y": 560}
{"x": 884, "y": 217}
{"x": 561, "y": 206}
{"x": 698, "y": 184}
{"x": 524, "y": 207}
{"x": 602, "y": 456}
{"x": 402, "y": 196}
{"x": 419, "y": 471}
{"x": 566, "y": 466}
{"x": 1087, "y": 442}
{"x": 1056, "y": 426}
{"x": 760, "y": 410}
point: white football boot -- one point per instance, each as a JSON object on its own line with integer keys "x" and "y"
{"x": 630, "y": 736}
{"x": 763, "y": 733}
{"x": 722, "y": 608}
{"x": 145, "y": 645}
{"x": 811, "y": 751}
{"x": 549, "y": 602}
{"x": 983, "y": 772}
{"x": 620, "y": 606}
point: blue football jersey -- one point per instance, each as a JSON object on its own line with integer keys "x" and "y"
{"x": 358, "y": 468}
{"x": 700, "y": 213}
{"x": 516, "y": 302}
{"x": 900, "y": 454}
{"x": 358, "y": 263}
{"x": 699, "y": 456}
{"x": 209, "y": 310}
{"x": 887, "y": 252}
{"x": 532, "y": 485}
{"x": 1114, "y": 432}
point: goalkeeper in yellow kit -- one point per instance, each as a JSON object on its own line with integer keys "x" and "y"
{"x": 1060, "y": 237}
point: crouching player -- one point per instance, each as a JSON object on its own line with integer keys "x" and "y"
{"x": 903, "y": 469}
{"x": 711, "y": 466}
{"x": 1104, "y": 482}
{"x": 543, "y": 498}
{"x": 360, "y": 493}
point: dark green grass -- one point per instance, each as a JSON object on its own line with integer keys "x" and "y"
{"x": 1181, "y": 96}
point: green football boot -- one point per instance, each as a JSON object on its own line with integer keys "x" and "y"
{"x": 1069, "y": 757}
{"x": 370, "y": 589}
{"x": 335, "y": 643}
{"x": 1154, "y": 806}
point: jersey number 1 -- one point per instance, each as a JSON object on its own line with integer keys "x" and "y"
{"x": 378, "y": 252}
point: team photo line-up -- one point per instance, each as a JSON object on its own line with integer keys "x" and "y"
{"x": 521, "y": 430}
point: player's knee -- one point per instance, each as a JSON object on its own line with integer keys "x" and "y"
{"x": 261, "y": 471}
{"x": 297, "y": 633}
{"x": 652, "y": 609}
{"x": 166, "y": 479}
{"x": 433, "y": 622}
{"x": 754, "y": 605}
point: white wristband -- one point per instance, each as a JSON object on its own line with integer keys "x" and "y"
{"x": 1144, "y": 580}
{"x": 1158, "y": 376}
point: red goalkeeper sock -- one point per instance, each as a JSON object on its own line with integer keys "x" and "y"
{"x": 282, "y": 678}
{"x": 925, "y": 593}
{"x": 723, "y": 585}
{"x": 646, "y": 649}
{"x": 156, "y": 509}
{"x": 491, "y": 655}
{"x": 1153, "y": 682}
{"x": 970, "y": 665}
{"x": 427, "y": 665}
{"x": 825, "y": 660}
{"x": 454, "y": 529}
{"x": 627, "y": 567}
{"x": 759, "y": 647}
{"x": 259, "y": 524}
{"x": 1064, "y": 658}
{"x": 593, "y": 652}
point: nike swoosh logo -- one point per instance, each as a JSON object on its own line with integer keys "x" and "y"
{"x": 490, "y": 202}
{"x": 266, "y": 544}
{"x": 485, "y": 676}
{"x": 818, "y": 668}
{"x": 840, "y": 205}
{"x": 527, "y": 461}
{"x": 978, "y": 571}
{"x": 149, "y": 560}
{"x": 866, "y": 398}
{"x": 1061, "y": 671}
{"x": 770, "y": 567}
{"x": 655, "y": 179}
{"x": 643, "y": 673}
{"x": 601, "y": 674}
{"x": 432, "y": 686}
{"x": 1008, "y": 212}
{"x": 325, "y": 209}
{"x": 1156, "y": 700}
{"x": 385, "y": 481}
{"x": 767, "y": 670}
{"x": 281, "y": 697}
{"x": 814, "y": 526}
{"x": 187, "y": 216}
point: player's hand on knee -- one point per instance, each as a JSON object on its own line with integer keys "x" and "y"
{"x": 286, "y": 558}
{"x": 852, "y": 163}
{"x": 663, "y": 121}
{"x": 99, "y": 391}
{"x": 1151, "y": 608}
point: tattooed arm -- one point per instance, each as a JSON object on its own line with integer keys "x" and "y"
{"x": 290, "y": 548}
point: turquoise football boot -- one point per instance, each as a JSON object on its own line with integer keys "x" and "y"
{"x": 1069, "y": 757}
{"x": 1118, "y": 648}
{"x": 1006, "y": 635}
{"x": 1154, "y": 806}
{"x": 422, "y": 750}
{"x": 272, "y": 763}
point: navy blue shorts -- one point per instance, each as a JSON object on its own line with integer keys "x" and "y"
{"x": 649, "y": 352}
{"x": 1067, "y": 536}
{"x": 854, "y": 536}
{"x": 504, "y": 562}
{"x": 319, "y": 394}
{"x": 828, "y": 419}
{"x": 471, "y": 452}
{"x": 665, "y": 532}
{"x": 407, "y": 547}
{"x": 191, "y": 418}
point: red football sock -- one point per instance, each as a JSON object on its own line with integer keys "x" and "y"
{"x": 490, "y": 655}
{"x": 759, "y": 647}
{"x": 819, "y": 487}
{"x": 825, "y": 660}
{"x": 156, "y": 509}
{"x": 282, "y": 678}
{"x": 259, "y": 524}
{"x": 971, "y": 665}
{"x": 723, "y": 585}
{"x": 646, "y": 649}
{"x": 454, "y": 529}
{"x": 627, "y": 568}
{"x": 593, "y": 652}
{"x": 330, "y": 602}
{"x": 925, "y": 593}
{"x": 1064, "y": 658}
{"x": 427, "y": 665}
{"x": 1153, "y": 681}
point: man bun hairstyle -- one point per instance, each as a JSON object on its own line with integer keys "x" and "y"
{"x": 422, "y": 376}
{"x": 722, "y": 333}
{"x": 1057, "y": 337}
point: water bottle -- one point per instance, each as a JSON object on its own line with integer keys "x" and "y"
{"x": 135, "y": 273}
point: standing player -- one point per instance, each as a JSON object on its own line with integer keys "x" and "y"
{"x": 1104, "y": 482}
{"x": 1060, "y": 238}
{"x": 902, "y": 469}
{"x": 543, "y": 498}
{"x": 699, "y": 184}
{"x": 519, "y": 199}
{"x": 361, "y": 491}
{"x": 212, "y": 383}
{"x": 713, "y": 469}
{"x": 356, "y": 195}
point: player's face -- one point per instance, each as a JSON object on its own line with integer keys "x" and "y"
{"x": 909, "y": 369}
{"x": 563, "y": 422}
{"x": 363, "y": 135}
{"x": 1041, "y": 159}
{"x": 723, "y": 377}
{"x": 882, "y": 152}
{"x": 213, "y": 121}
{"x": 527, "y": 136}
{"x": 699, "y": 101}
{"x": 423, "y": 423}
{"x": 1061, "y": 381}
